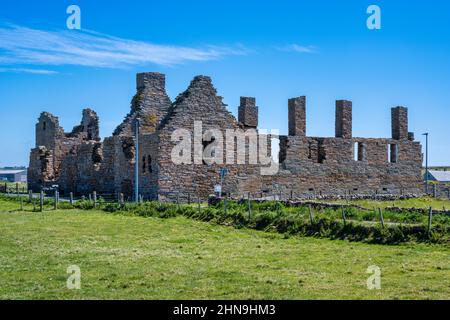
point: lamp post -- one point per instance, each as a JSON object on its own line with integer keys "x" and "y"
{"x": 136, "y": 165}
{"x": 426, "y": 162}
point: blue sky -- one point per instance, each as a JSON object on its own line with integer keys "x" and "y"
{"x": 272, "y": 50}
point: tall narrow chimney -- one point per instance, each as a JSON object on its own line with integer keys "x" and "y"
{"x": 297, "y": 116}
{"x": 344, "y": 119}
{"x": 248, "y": 112}
{"x": 399, "y": 123}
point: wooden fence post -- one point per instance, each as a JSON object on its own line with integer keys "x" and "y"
{"x": 434, "y": 191}
{"x": 121, "y": 199}
{"x": 94, "y": 195}
{"x": 17, "y": 188}
{"x": 30, "y": 196}
{"x": 381, "y": 217}
{"x": 249, "y": 207}
{"x": 343, "y": 215}
{"x": 55, "y": 203}
{"x": 198, "y": 204}
{"x": 21, "y": 204}
{"x": 41, "y": 201}
{"x": 310, "y": 214}
{"x": 71, "y": 198}
{"x": 278, "y": 208}
{"x": 430, "y": 219}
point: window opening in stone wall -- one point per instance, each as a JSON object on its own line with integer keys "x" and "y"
{"x": 97, "y": 154}
{"x": 149, "y": 164}
{"x": 392, "y": 153}
{"x": 143, "y": 164}
{"x": 44, "y": 125}
{"x": 321, "y": 154}
{"x": 205, "y": 145}
{"x": 359, "y": 151}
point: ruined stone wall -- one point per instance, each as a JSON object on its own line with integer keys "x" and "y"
{"x": 148, "y": 166}
{"x": 53, "y": 145}
{"x": 106, "y": 178}
{"x": 40, "y": 169}
{"x": 199, "y": 102}
{"x": 309, "y": 166}
{"x": 81, "y": 169}
{"x": 328, "y": 166}
{"x": 89, "y": 127}
{"x": 123, "y": 168}
{"x": 312, "y": 166}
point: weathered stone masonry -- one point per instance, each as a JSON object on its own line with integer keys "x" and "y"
{"x": 79, "y": 162}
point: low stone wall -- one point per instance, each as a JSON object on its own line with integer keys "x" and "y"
{"x": 444, "y": 211}
{"x": 336, "y": 206}
{"x": 439, "y": 190}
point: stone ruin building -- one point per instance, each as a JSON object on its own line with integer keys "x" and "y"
{"x": 81, "y": 163}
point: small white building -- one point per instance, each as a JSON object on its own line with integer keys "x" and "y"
{"x": 439, "y": 176}
{"x": 13, "y": 175}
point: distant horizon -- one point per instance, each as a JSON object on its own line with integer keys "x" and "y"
{"x": 268, "y": 50}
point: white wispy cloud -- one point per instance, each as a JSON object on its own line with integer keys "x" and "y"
{"x": 26, "y": 46}
{"x": 25, "y": 70}
{"x": 299, "y": 48}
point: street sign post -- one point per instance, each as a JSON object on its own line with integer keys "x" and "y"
{"x": 223, "y": 172}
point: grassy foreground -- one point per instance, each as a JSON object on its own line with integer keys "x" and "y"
{"x": 131, "y": 257}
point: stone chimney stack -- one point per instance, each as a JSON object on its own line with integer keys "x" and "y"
{"x": 297, "y": 116}
{"x": 152, "y": 81}
{"x": 248, "y": 112}
{"x": 399, "y": 123}
{"x": 150, "y": 103}
{"x": 344, "y": 119}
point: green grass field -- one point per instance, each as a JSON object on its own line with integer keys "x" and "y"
{"x": 132, "y": 257}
